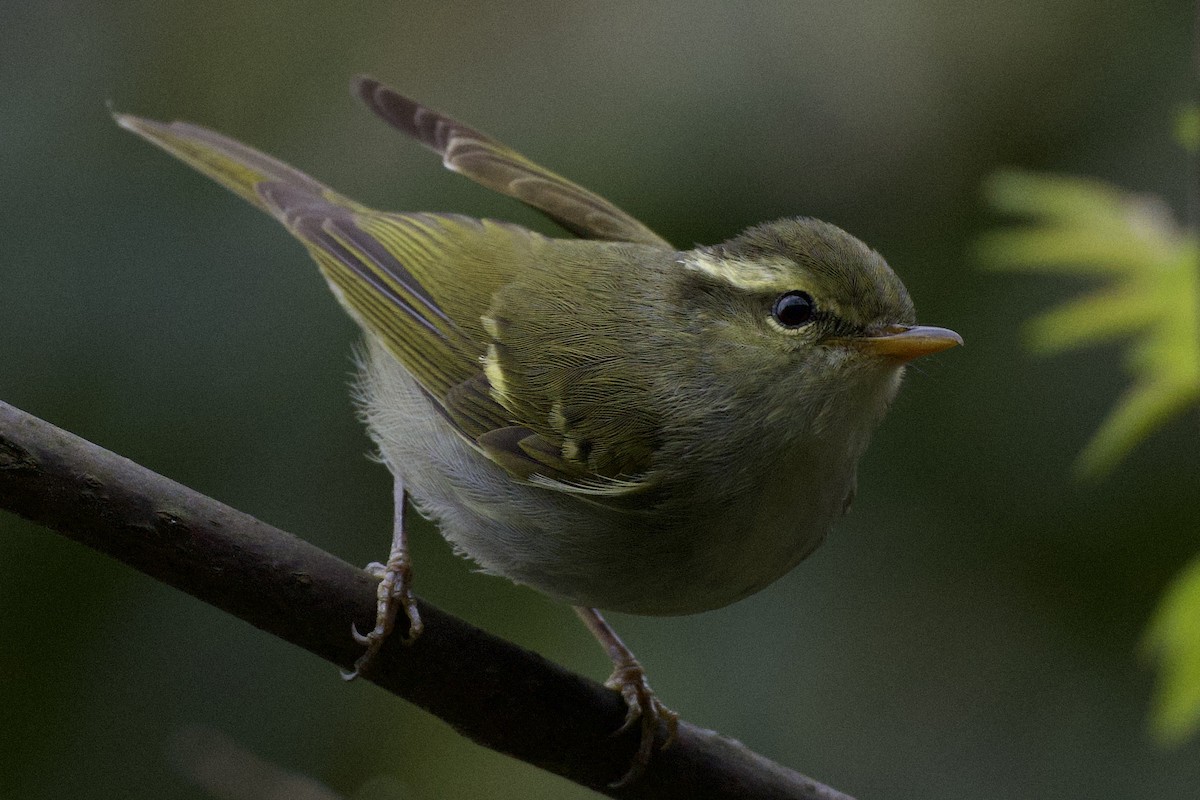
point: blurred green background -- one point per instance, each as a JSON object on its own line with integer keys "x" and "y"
{"x": 970, "y": 631}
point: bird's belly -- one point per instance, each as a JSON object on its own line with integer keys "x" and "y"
{"x": 684, "y": 553}
{"x": 658, "y": 562}
{"x": 728, "y": 548}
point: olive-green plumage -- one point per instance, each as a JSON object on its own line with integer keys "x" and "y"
{"x": 608, "y": 419}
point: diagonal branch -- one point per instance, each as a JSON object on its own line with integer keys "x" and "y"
{"x": 496, "y": 693}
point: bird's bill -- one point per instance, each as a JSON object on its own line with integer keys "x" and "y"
{"x": 906, "y": 342}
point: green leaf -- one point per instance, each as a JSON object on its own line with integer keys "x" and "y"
{"x": 1092, "y": 319}
{"x": 1150, "y": 296}
{"x": 1144, "y": 408}
{"x": 1173, "y": 638}
{"x": 1187, "y": 127}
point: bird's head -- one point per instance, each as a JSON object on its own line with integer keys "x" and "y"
{"x": 808, "y": 317}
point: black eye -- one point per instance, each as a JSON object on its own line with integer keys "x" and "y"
{"x": 793, "y": 309}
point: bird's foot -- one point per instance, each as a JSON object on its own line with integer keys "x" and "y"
{"x": 642, "y": 708}
{"x": 394, "y": 592}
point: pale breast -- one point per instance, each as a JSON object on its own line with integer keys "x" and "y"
{"x": 687, "y": 550}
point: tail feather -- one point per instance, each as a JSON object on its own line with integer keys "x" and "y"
{"x": 387, "y": 270}
{"x": 241, "y": 169}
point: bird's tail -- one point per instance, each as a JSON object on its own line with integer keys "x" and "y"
{"x": 241, "y": 169}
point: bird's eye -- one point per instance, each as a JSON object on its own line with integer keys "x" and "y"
{"x": 794, "y": 309}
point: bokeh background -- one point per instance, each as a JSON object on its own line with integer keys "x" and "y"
{"x": 970, "y": 631}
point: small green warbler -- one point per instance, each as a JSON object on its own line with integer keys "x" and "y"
{"x": 610, "y": 420}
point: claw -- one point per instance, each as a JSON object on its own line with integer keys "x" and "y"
{"x": 629, "y": 679}
{"x": 395, "y": 586}
{"x": 641, "y": 705}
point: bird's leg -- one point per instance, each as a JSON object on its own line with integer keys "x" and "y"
{"x": 395, "y": 589}
{"x": 629, "y": 678}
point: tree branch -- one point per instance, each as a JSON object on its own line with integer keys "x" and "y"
{"x": 496, "y": 693}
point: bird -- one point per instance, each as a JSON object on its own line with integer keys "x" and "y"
{"x": 610, "y": 420}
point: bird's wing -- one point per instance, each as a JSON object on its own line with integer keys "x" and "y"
{"x": 502, "y": 169}
{"x": 426, "y": 285}
{"x": 572, "y": 352}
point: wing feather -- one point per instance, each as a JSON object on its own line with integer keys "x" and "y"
{"x": 500, "y": 168}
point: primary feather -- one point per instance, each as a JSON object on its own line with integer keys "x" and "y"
{"x": 500, "y": 168}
